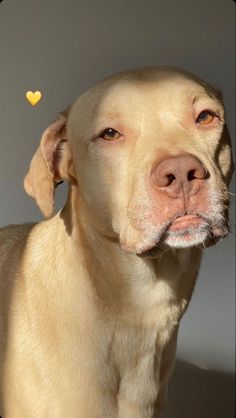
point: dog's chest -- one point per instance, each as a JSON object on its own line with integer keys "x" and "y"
{"x": 140, "y": 341}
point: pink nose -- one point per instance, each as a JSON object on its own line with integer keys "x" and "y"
{"x": 178, "y": 176}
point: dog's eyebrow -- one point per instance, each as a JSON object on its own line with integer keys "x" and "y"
{"x": 206, "y": 96}
{"x": 200, "y": 97}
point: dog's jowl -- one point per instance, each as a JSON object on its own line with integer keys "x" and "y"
{"x": 91, "y": 297}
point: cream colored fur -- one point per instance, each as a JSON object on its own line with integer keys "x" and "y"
{"x": 89, "y": 314}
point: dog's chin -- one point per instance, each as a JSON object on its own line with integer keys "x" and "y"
{"x": 187, "y": 237}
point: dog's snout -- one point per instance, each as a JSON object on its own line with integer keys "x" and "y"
{"x": 176, "y": 175}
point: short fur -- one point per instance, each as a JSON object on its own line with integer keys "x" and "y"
{"x": 91, "y": 298}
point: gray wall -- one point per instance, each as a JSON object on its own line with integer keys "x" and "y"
{"x": 62, "y": 48}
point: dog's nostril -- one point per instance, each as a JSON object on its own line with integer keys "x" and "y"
{"x": 191, "y": 175}
{"x": 170, "y": 178}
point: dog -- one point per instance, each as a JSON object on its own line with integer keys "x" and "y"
{"x": 92, "y": 297}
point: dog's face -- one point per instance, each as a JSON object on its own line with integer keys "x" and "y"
{"x": 152, "y": 159}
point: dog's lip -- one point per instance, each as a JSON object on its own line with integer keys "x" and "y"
{"x": 183, "y": 222}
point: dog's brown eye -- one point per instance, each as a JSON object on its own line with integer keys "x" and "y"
{"x": 110, "y": 134}
{"x": 205, "y": 117}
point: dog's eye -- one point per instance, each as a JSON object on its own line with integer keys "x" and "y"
{"x": 110, "y": 134}
{"x": 206, "y": 117}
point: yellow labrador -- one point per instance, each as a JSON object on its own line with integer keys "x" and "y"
{"x": 91, "y": 298}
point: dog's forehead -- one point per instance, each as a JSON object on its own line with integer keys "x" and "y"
{"x": 161, "y": 80}
{"x": 127, "y": 95}
{"x": 132, "y": 91}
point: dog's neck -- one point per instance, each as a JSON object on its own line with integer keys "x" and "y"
{"x": 127, "y": 278}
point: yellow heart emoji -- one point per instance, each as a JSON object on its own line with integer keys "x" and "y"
{"x": 33, "y": 98}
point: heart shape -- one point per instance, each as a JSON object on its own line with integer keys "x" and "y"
{"x": 33, "y": 98}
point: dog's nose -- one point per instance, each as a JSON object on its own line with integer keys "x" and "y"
{"x": 180, "y": 175}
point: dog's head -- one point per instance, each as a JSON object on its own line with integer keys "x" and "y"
{"x": 149, "y": 156}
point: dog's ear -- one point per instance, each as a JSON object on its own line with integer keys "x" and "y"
{"x": 51, "y": 164}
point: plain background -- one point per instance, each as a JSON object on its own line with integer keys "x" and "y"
{"x": 62, "y": 48}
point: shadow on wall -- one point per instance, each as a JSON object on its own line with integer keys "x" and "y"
{"x": 198, "y": 393}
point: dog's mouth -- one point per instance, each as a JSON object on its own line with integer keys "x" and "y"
{"x": 183, "y": 223}
{"x": 190, "y": 230}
